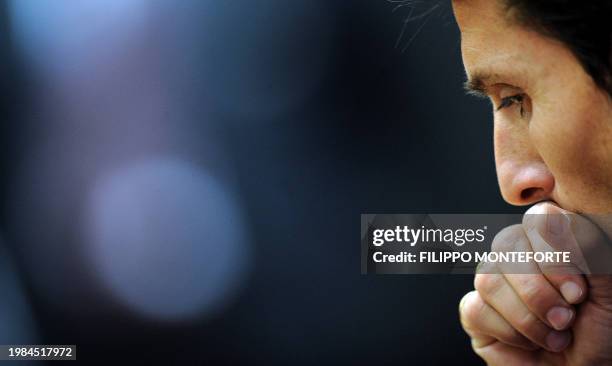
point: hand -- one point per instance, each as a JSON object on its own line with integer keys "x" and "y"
{"x": 543, "y": 315}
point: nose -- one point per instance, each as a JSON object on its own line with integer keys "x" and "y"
{"x": 525, "y": 183}
{"x": 523, "y": 176}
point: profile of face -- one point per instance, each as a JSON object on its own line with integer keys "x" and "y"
{"x": 553, "y": 125}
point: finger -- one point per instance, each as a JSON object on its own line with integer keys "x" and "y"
{"x": 548, "y": 229}
{"x": 485, "y": 326}
{"x": 495, "y": 291}
{"x": 525, "y": 278}
{"x": 595, "y": 244}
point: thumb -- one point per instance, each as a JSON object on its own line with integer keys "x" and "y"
{"x": 597, "y": 248}
{"x": 551, "y": 228}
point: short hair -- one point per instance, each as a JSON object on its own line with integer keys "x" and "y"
{"x": 584, "y": 26}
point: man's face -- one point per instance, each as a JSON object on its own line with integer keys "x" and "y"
{"x": 553, "y": 126}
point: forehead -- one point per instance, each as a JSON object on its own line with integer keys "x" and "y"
{"x": 469, "y": 12}
{"x": 493, "y": 45}
{"x": 484, "y": 30}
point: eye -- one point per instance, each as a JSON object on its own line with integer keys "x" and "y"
{"x": 512, "y": 100}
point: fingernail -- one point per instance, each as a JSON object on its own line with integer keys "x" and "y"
{"x": 557, "y": 223}
{"x": 571, "y": 292}
{"x": 559, "y": 317}
{"x": 557, "y": 341}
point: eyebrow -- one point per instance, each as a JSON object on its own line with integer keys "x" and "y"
{"x": 511, "y": 71}
{"x": 476, "y": 84}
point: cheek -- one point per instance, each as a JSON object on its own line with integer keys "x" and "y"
{"x": 572, "y": 143}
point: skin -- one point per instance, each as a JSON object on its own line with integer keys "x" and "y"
{"x": 553, "y": 144}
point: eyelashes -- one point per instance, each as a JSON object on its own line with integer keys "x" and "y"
{"x": 512, "y": 100}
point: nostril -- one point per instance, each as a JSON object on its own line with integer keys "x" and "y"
{"x": 530, "y": 193}
{"x": 524, "y": 183}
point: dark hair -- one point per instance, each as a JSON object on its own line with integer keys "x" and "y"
{"x": 584, "y": 26}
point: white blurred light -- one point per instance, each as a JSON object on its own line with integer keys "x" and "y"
{"x": 167, "y": 239}
{"x": 59, "y": 35}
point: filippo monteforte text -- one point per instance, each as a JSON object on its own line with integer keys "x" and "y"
{"x": 466, "y": 257}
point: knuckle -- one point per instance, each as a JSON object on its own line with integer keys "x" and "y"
{"x": 507, "y": 238}
{"x": 532, "y": 294}
{"x": 558, "y": 269}
{"x": 480, "y": 350}
{"x": 477, "y": 349}
{"x": 487, "y": 283}
{"x": 525, "y": 321}
{"x": 512, "y": 336}
{"x": 471, "y": 311}
{"x": 529, "y": 325}
{"x": 487, "y": 267}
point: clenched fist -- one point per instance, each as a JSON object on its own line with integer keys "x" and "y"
{"x": 543, "y": 313}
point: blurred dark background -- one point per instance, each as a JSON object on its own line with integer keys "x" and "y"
{"x": 182, "y": 181}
